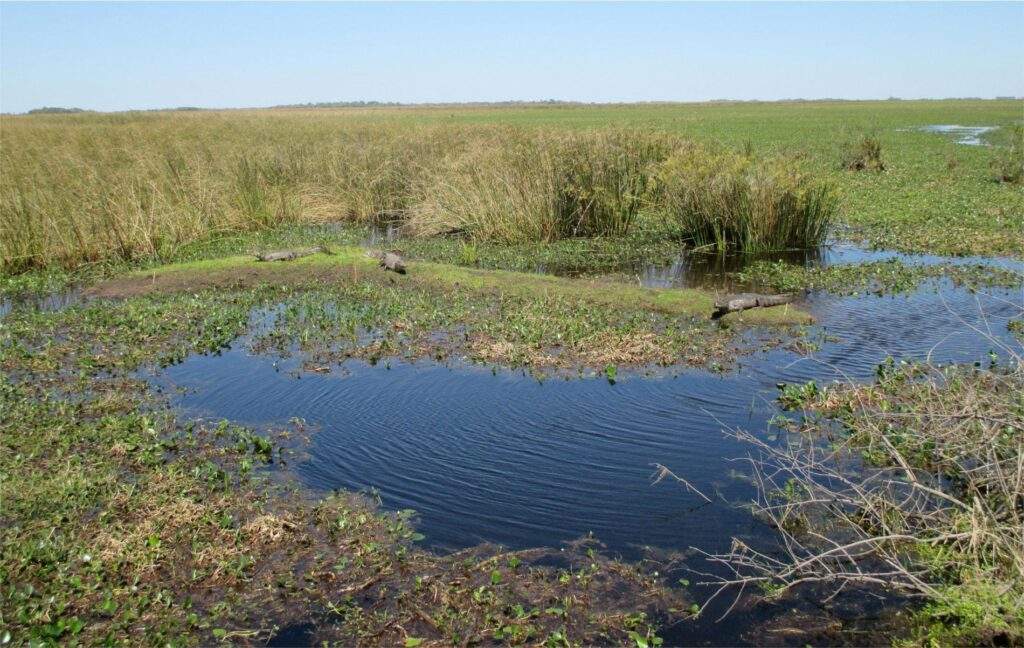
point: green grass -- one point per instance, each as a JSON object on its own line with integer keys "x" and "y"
{"x": 441, "y": 311}
{"x": 521, "y": 186}
{"x": 1008, "y": 164}
{"x": 685, "y": 302}
{"x": 728, "y": 202}
{"x": 573, "y": 256}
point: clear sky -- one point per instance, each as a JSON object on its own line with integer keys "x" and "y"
{"x": 122, "y": 56}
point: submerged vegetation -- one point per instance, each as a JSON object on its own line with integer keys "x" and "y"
{"x": 879, "y": 277}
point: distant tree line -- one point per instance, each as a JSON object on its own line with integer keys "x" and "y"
{"x": 382, "y": 104}
{"x": 55, "y": 110}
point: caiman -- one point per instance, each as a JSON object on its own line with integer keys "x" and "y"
{"x": 389, "y": 261}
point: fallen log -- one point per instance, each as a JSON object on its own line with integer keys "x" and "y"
{"x": 288, "y": 255}
{"x": 743, "y": 301}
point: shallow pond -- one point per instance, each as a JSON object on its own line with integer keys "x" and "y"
{"x": 504, "y": 458}
{"x": 968, "y": 135}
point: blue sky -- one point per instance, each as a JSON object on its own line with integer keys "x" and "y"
{"x": 122, "y": 56}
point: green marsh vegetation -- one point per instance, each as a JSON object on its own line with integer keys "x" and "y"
{"x": 1008, "y": 162}
{"x": 123, "y": 523}
{"x": 440, "y": 310}
{"x": 529, "y": 187}
{"x": 878, "y": 277}
{"x": 725, "y": 201}
{"x": 863, "y": 153}
{"x": 81, "y": 189}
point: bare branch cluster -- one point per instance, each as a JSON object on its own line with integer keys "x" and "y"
{"x": 915, "y": 483}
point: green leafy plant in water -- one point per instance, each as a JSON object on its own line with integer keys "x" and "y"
{"x": 797, "y": 396}
{"x": 611, "y": 372}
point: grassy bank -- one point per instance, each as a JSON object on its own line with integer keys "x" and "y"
{"x": 82, "y": 188}
{"x": 912, "y": 483}
{"x": 490, "y": 316}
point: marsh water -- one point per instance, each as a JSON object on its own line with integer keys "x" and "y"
{"x": 502, "y": 457}
{"x": 968, "y": 135}
{"x": 46, "y": 302}
{"x": 718, "y": 272}
{"x": 506, "y": 458}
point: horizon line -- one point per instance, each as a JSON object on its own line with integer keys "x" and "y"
{"x": 516, "y": 102}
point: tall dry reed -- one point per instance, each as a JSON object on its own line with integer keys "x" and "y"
{"x": 538, "y": 186}
{"x": 726, "y": 201}
{"x": 81, "y": 188}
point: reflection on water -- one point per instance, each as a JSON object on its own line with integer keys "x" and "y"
{"x": 47, "y": 302}
{"x": 969, "y": 135}
{"x": 702, "y": 270}
{"x": 382, "y": 233}
{"x": 507, "y": 459}
{"x": 688, "y": 269}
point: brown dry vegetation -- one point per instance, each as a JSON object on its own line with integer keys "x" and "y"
{"x": 81, "y": 189}
{"x": 914, "y": 483}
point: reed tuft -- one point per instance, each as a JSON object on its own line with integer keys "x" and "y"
{"x": 726, "y": 201}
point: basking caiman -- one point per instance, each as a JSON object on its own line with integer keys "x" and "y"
{"x": 389, "y": 261}
{"x": 744, "y": 301}
{"x": 289, "y": 255}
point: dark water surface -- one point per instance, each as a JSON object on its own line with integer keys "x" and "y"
{"x": 507, "y": 459}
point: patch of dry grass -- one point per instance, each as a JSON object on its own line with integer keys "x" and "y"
{"x": 82, "y": 189}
